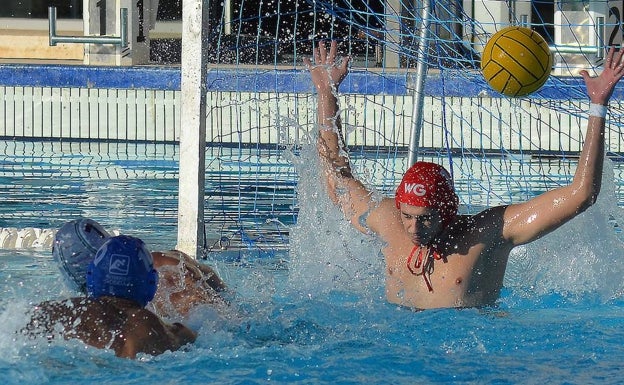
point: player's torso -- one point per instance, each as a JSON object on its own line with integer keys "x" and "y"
{"x": 469, "y": 272}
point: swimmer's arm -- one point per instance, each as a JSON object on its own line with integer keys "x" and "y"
{"x": 539, "y": 216}
{"x": 528, "y": 221}
{"x": 204, "y": 273}
{"x": 182, "y": 334}
{"x": 198, "y": 270}
{"x": 349, "y": 193}
{"x": 327, "y": 75}
{"x": 146, "y": 333}
{"x": 48, "y": 315}
{"x": 366, "y": 214}
{"x": 212, "y": 278}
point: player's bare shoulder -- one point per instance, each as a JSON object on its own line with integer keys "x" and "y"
{"x": 484, "y": 227}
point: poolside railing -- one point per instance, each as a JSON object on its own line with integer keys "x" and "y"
{"x": 276, "y": 107}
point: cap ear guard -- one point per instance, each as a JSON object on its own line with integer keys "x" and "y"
{"x": 74, "y": 247}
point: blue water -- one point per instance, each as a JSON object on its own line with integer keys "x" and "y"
{"x": 309, "y": 302}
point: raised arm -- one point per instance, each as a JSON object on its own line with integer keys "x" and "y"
{"x": 349, "y": 193}
{"x": 528, "y": 221}
{"x": 327, "y": 75}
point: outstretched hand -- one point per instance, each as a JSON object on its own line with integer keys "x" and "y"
{"x": 600, "y": 88}
{"x": 327, "y": 72}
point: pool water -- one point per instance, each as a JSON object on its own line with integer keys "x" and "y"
{"x": 308, "y": 303}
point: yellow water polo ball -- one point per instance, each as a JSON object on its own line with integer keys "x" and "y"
{"x": 516, "y": 61}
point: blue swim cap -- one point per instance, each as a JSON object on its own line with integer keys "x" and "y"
{"x": 75, "y": 245}
{"x": 123, "y": 267}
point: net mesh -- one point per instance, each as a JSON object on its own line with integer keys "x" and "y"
{"x": 500, "y": 150}
{"x": 261, "y": 109}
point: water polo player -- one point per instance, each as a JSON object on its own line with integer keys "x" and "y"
{"x": 184, "y": 283}
{"x": 120, "y": 281}
{"x": 434, "y": 257}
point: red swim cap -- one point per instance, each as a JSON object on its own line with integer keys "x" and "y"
{"x": 428, "y": 185}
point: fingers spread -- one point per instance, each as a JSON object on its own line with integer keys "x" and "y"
{"x": 345, "y": 62}
{"x": 609, "y": 56}
{"x": 332, "y": 52}
{"x": 619, "y": 57}
{"x": 317, "y": 55}
{"x": 322, "y": 52}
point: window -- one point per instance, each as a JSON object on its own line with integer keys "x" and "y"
{"x": 38, "y": 9}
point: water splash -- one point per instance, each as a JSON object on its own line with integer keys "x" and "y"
{"x": 326, "y": 252}
{"x": 13, "y": 317}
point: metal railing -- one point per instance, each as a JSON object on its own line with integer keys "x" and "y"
{"x": 597, "y": 50}
{"x": 121, "y": 40}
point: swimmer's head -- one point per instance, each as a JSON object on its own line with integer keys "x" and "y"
{"x": 123, "y": 267}
{"x": 75, "y": 245}
{"x": 429, "y": 185}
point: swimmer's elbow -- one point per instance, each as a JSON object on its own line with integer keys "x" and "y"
{"x": 590, "y": 201}
{"x": 333, "y": 196}
{"x": 333, "y": 191}
{"x": 587, "y": 197}
{"x": 127, "y": 350}
{"x": 183, "y": 334}
{"x": 574, "y": 205}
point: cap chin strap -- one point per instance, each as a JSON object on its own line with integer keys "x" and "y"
{"x": 424, "y": 263}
